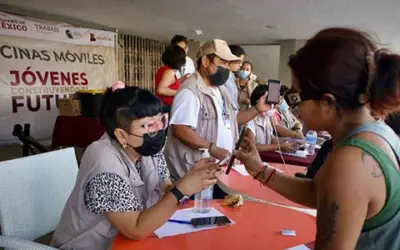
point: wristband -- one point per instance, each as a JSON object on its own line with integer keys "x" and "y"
{"x": 270, "y": 177}
{"x": 258, "y": 174}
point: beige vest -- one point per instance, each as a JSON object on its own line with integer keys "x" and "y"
{"x": 288, "y": 119}
{"x": 244, "y": 94}
{"x": 81, "y": 229}
{"x": 180, "y": 157}
{"x": 263, "y": 128}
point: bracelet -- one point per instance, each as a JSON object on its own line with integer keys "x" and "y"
{"x": 258, "y": 174}
{"x": 270, "y": 177}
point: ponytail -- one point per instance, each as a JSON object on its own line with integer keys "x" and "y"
{"x": 385, "y": 88}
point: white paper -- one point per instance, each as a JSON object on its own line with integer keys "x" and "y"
{"x": 241, "y": 169}
{"x": 172, "y": 228}
{"x": 300, "y": 247}
{"x": 299, "y": 153}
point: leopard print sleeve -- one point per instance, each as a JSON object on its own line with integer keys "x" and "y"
{"x": 163, "y": 171}
{"x": 109, "y": 192}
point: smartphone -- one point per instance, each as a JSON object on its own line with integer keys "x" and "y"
{"x": 274, "y": 89}
{"x": 237, "y": 147}
{"x": 210, "y": 221}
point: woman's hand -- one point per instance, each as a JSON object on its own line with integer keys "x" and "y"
{"x": 299, "y": 134}
{"x": 250, "y": 157}
{"x": 203, "y": 174}
{"x": 288, "y": 147}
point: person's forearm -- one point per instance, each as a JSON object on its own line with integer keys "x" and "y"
{"x": 295, "y": 189}
{"x": 298, "y": 126}
{"x": 137, "y": 225}
{"x": 166, "y": 91}
{"x": 247, "y": 115}
{"x": 284, "y": 132}
{"x": 266, "y": 147}
{"x": 151, "y": 219}
{"x": 189, "y": 137}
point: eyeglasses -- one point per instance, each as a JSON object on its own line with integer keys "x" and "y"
{"x": 293, "y": 98}
{"x": 150, "y": 125}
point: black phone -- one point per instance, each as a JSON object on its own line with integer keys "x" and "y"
{"x": 210, "y": 221}
{"x": 237, "y": 146}
{"x": 274, "y": 89}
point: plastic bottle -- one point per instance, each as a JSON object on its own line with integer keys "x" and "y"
{"x": 203, "y": 199}
{"x": 311, "y": 138}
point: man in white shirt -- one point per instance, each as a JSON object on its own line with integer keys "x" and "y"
{"x": 188, "y": 68}
{"x": 203, "y": 114}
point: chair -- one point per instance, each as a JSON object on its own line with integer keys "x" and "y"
{"x": 33, "y": 192}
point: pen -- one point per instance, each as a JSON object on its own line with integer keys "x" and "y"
{"x": 181, "y": 222}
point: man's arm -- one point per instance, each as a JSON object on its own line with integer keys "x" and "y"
{"x": 188, "y": 136}
{"x": 266, "y": 147}
{"x": 247, "y": 115}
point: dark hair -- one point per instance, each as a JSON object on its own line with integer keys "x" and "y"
{"x": 249, "y": 63}
{"x": 284, "y": 89}
{"x": 237, "y": 50}
{"x": 179, "y": 38}
{"x": 121, "y": 107}
{"x": 174, "y": 57}
{"x": 257, "y": 93}
{"x": 210, "y": 57}
{"x": 345, "y": 63}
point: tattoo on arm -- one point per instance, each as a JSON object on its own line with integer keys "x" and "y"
{"x": 326, "y": 221}
{"x": 370, "y": 163}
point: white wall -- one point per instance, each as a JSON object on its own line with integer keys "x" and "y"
{"x": 288, "y": 47}
{"x": 265, "y": 59}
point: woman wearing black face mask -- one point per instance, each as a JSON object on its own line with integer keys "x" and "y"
{"x": 123, "y": 183}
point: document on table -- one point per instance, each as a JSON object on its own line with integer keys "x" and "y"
{"x": 172, "y": 228}
{"x": 301, "y": 247}
{"x": 298, "y": 153}
{"x": 307, "y": 246}
{"x": 241, "y": 169}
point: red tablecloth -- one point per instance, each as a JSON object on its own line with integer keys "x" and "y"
{"x": 246, "y": 185}
{"x": 76, "y": 131}
{"x": 274, "y": 157}
{"x": 258, "y": 226}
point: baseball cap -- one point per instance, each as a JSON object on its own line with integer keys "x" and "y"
{"x": 218, "y": 47}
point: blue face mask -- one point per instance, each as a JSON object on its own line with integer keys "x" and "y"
{"x": 284, "y": 106}
{"x": 243, "y": 74}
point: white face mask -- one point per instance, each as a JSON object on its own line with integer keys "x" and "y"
{"x": 270, "y": 113}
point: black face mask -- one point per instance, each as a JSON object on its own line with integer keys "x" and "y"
{"x": 220, "y": 77}
{"x": 151, "y": 144}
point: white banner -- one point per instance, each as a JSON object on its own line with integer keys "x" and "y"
{"x": 12, "y": 25}
{"x": 37, "y": 70}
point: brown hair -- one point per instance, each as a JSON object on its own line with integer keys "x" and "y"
{"x": 345, "y": 62}
{"x": 249, "y": 63}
